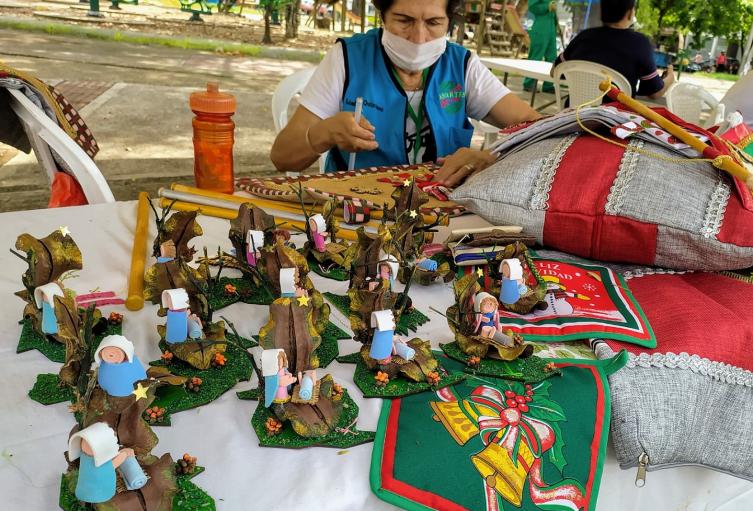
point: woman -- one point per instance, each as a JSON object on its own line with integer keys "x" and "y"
{"x": 408, "y": 75}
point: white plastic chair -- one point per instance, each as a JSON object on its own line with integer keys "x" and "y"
{"x": 491, "y": 133}
{"x": 687, "y": 101}
{"x": 44, "y": 133}
{"x": 290, "y": 87}
{"x": 582, "y": 79}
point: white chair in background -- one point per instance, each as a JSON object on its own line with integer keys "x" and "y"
{"x": 45, "y": 134}
{"x": 582, "y": 79}
{"x": 491, "y": 133}
{"x": 688, "y": 101}
{"x": 290, "y": 87}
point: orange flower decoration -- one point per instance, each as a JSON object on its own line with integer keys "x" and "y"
{"x": 550, "y": 367}
{"x": 474, "y": 361}
{"x": 115, "y": 318}
{"x": 230, "y": 289}
{"x": 382, "y": 378}
{"x": 273, "y": 426}
{"x": 432, "y": 378}
{"x": 219, "y": 360}
{"x": 167, "y": 356}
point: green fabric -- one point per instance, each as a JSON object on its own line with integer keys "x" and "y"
{"x": 543, "y": 36}
{"x": 427, "y": 458}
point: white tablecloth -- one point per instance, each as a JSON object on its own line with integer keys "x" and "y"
{"x": 240, "y": 475}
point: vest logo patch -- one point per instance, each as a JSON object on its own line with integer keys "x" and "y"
{"x": 451, "y": 96}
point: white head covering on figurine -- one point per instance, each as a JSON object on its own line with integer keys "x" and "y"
{"x": 47, "y": 293}
{"x": 114, "y": 341}
{"x": 383, "y": 320}
{"x": 255, "y": 240}
{"x": 317, "y": 223}
{"x": 516, "y": 269}
{"x": 102, "y": 440}
{"x": 269, "y": 369}
{"x": 287, "y": 281}
{"x": 390, "y": 261}
{"x": 479, "y": 299}
{"x": 175, "y": 299}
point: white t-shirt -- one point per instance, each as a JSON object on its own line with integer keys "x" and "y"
{"x": 323, "y": 94}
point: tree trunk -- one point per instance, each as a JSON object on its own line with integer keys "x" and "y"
{"x": 267, "y": 23}
{"x": 292, "y": 19}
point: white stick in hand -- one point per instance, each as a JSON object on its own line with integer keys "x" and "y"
{"x": 357, "y": 118}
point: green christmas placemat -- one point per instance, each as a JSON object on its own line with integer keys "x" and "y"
{"x": 583, "y": 301}
{"x": 489, "y": 444}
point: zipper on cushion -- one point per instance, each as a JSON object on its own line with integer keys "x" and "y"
{"x": 640, "y": 478}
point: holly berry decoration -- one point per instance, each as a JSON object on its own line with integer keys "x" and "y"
{"x": 194, "y": 384}
{"x": 519, "y": 401}
{"x": 186, "y": 465}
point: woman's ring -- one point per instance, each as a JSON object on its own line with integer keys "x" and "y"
{"x": 470, "y": 167}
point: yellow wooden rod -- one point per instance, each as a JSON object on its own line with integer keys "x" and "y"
{"x": 723, "y": 162}
{"x": 135, "y": 299}
{"x": 376, "y": 214}
{"x": 230, "y": 214}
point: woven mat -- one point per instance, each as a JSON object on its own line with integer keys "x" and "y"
{"x": 364, "y": 185}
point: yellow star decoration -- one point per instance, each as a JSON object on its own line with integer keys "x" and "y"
{"x": 140, "y": 392}
{"x": 303, "y": 301}
{"x": 64, "y": 230}
{"x": 406, "y": 183}
{"x": 480, "y": 272}
{"x": 413, "y": 213}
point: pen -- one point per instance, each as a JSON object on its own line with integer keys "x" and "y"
{"x": 359, "y": 109}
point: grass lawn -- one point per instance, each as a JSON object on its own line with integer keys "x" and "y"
{"x": 718, "y": 76}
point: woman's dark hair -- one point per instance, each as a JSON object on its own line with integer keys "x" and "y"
{"x": 613, "y": 11}
{"x": 384, "y": 5}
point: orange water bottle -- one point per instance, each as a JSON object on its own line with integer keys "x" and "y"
{"x": 213, "y": 137}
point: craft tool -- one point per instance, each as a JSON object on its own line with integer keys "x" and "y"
{"x": 135, "y": 300}
{"x": 357, "y": 118}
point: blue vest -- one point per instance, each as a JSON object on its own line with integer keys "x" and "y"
{"x": 368, "y": 74}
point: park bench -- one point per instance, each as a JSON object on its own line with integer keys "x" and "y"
{"x": 196, "y": 8}
{"x": 116, "y": 2}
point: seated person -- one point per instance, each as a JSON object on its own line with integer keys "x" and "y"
{"x": 409, "y": 76}
{"x": 618, "y": 46}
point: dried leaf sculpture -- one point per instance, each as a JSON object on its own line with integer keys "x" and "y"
{"x": 71, "y": 335}
{"x": 313, "y": 420}
{"x": 290, "y": 327}
{"x": 172, "y": 275}
{"x": 278, "y": 256}
{"x": 181, "y": 228}
{"x": 250, "y": 218}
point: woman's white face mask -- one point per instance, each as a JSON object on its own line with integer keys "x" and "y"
{"x": 411, "y": 56}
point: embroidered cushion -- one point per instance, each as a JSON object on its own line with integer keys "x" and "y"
{"x": 690, "y": 400}
{"x": 584, "y": 196}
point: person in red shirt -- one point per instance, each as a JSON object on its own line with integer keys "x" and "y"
{"x": 721, "y": 63}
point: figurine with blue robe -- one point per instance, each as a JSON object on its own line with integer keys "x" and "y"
{"x": 512, "y": 285}
{"x": 278, "y": 381}
{"x": 254, "y": 243}
{"x": 99, "y": 454}
{"x": 289, "y": 287}
{"x": 118, "y": 367}
{"x": 383, "y": 323}
{"x": 44, "y": 296}
{"x": 181, "y": 324}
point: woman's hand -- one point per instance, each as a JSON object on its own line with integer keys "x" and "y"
{"x": 463, "y": 163}
{"x": 342, "y": 131}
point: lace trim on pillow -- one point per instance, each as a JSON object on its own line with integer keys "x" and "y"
{"x": 625, "y": 174}
{"x": 718, "y": 371}
{"x": 543, "y": 185}
{"x": 642, "y": 272}
{"x": 712, "y": 222}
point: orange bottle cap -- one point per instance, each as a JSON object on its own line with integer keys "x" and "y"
{"x": 212, "y": 101}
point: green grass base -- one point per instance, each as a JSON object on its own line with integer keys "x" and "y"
{"x": 337, "y": 273}
{"x": 30, "y": 339}
{"x": 287, "y": 438}
{"x": 245, "y": 292}
{"x": 215, "y": 381}
{"x": 527, "y": 370}
{"x": 409, "y": 321}
{"x": 364, "y": 379}
{"x": 47, "y": 390}
{"x": 249, "y": 395}
{"x": 189, "y": 497}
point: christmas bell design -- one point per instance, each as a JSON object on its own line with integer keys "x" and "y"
{"x": 513, "y": 442}
{"x": 44, "y": 296}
